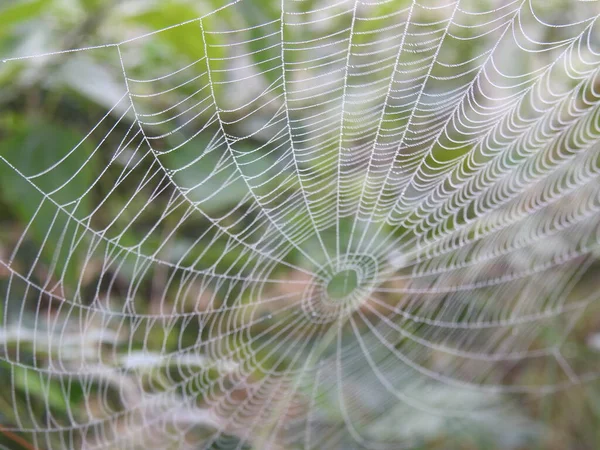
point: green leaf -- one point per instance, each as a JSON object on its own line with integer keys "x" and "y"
{"x": 20, "y": 12}
{"x": 166, "y": 14}
{"x": 32, "y": 148}
{"x": 33, "y": 384}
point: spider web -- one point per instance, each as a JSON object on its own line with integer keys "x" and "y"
{"x": 385, "y": 217}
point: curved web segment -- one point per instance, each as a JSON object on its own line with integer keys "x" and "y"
{"x": 440, "y": 159}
